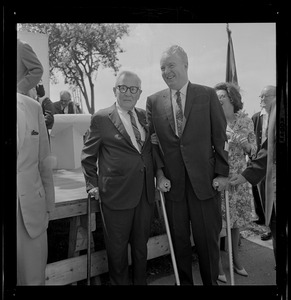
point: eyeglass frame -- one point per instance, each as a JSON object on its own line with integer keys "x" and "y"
{"x": 128, "y": 88}
{"x": 266, "y": 96}
{"x": 66, "y": 100}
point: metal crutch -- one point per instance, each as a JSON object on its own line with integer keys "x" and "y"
{"x": 229, "y": 237}
{"x": 89, "y": 239}
{"x": 169, "y": 238}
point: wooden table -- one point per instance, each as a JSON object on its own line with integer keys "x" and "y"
{"x": 71, "y": 202}
{"x": 71, "y": 195}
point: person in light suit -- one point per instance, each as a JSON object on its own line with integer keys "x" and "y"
{"x": 194, "y": 152}
{"x": 260, "y": 119}
{"x": 35, "y": 192}
{"x": 29, "y": 68}
{"x": 35, "y": 187}
{"x": 119, "y": 171}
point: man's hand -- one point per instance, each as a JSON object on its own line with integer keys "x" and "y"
{"x": 163, "y": 184}
{"x": 237, "y": 179}
{"x": 94, "y": 192}
{"x": 220, "y": 183}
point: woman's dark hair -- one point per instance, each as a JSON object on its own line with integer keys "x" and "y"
{"x": 233, "y": 94}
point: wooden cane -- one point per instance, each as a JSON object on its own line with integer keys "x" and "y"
{"x": 89, "y": 240}
{"x": 229, "y": 237}
{"x": 169, "y": 238}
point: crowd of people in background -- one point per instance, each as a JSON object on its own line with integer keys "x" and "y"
{"x": 197, "y": 141}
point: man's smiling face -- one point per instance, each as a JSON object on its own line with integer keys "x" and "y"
{"x": 174, "y": 71}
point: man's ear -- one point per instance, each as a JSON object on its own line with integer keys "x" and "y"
{"x": 114, "y": 91}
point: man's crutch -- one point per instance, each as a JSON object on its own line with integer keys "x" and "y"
{"x": 229, "y": 237}
{"x": 89, "y": 239}
{"x": 169, "y": 238}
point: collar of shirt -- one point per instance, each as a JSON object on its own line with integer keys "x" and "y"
{"x": 65, "y": 109}
{"x": 263, "y": 112}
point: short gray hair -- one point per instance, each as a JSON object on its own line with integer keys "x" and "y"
{"x": 128, "y": 73}
{"x": 175, "y": 49}
{"x": 65, "y": 93}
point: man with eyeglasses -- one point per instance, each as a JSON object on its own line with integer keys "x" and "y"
{"x": 119, "y": 171}
{"x": 65, "y": 105}
{"x": 260, "y": 119}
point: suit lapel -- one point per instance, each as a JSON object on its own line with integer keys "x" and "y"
{"x": 143, "y": 122}
{"x": 115, "y": 119}
{"x": 21, "y": 122}
{"x": 189, "y": 100}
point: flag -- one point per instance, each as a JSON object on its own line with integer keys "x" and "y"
{"x": 231, "y": 75}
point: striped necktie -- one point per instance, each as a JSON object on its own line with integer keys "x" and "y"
{"x": 179, "y": 114}
{"x": 135, "y": 130}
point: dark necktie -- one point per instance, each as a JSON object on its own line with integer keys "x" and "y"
{"x": 179, "y": 114}
{"x": 135, "y": 130}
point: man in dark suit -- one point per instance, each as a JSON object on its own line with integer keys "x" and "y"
{"x": 118, "y": 140}
{"x": 65, "y": 105}
{"x": 260, "y": 120}
{"x": 194, "y": 147}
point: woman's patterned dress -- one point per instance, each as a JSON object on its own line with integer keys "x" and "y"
{"x": 240, "y": 197}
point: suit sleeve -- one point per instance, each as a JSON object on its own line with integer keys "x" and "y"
{"x": 89, "y": 155}
{"x": 219, "y": 138}
{"x": 256, "y": 171}
{"x": 48, "y": 111}
{"x": 34, "y": 69}
{"x": 156, "y": 153}
{"x": 45, "y": 162}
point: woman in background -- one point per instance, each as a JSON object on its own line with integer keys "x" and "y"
{"x": 242, "y": 143}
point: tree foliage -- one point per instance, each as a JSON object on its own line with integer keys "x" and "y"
{"x": 77, "y": 50}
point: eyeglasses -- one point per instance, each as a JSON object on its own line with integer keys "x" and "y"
{"x": 123, "y": 89}
{"x": 222, "y": 97}
{"x": 265, "y": 96}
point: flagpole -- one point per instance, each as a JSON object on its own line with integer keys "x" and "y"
{"x": 231, "y": 74}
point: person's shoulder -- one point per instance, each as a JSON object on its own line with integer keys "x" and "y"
{"x": 255, "y": 115}
{"x": 47, "y": 99}
{"x": 159, "y": 94}
{"x": 28, "y": 101}
{"x": 140, "y": 110}
{"x": 201, "y": 88}
{"x": 104, "y": 112}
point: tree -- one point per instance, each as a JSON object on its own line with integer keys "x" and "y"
{"x": 77, "y": 50}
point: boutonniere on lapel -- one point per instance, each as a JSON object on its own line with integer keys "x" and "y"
{"x": 118, "y": 136}
{"x": 33, "y": 132}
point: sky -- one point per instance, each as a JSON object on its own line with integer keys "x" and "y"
{"x": 206, "y": 47}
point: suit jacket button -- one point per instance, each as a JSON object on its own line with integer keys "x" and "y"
{"x": 141, "y": 170}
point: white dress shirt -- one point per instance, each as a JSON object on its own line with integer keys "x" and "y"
{"x": 264, "y": 124}
{"x": 125, "y": 118}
